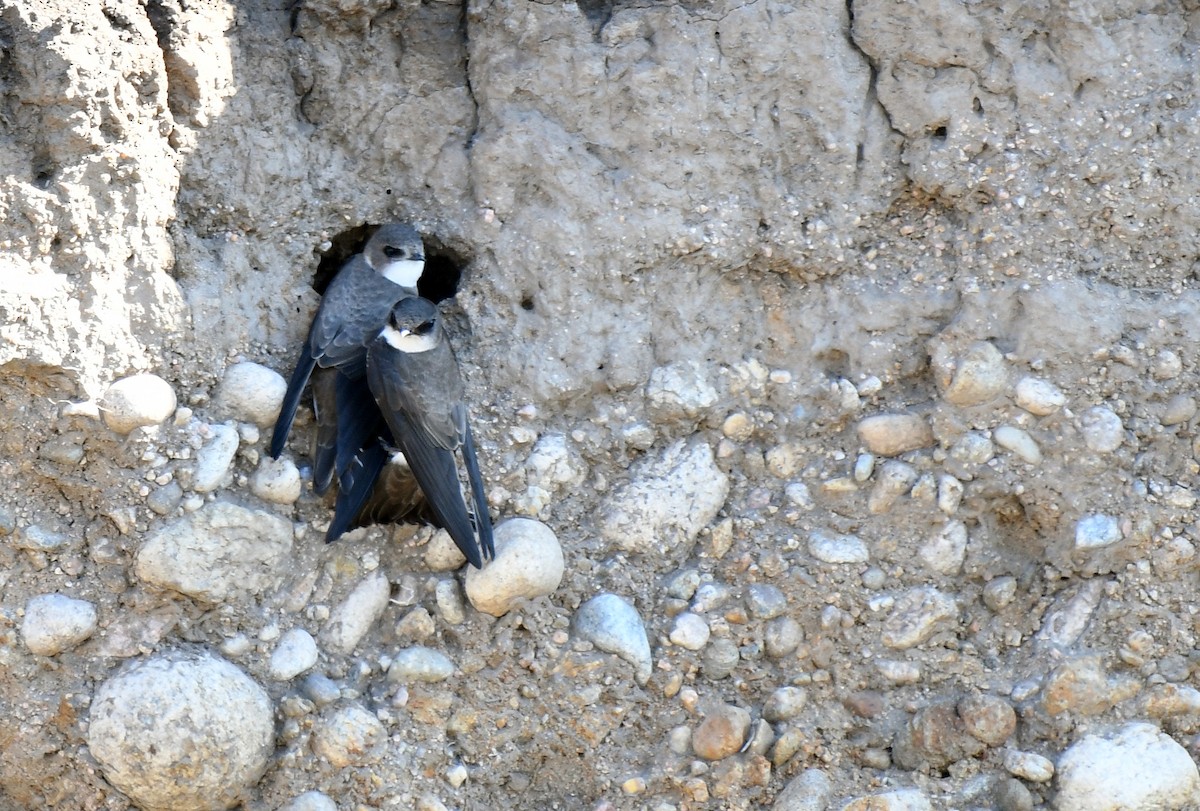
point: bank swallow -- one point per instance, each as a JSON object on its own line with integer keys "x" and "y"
{"x": 414, "y": 377}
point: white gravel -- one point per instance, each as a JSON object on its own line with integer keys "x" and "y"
{"x": 613, "y": 625}
{"x": 214, "y": 457}
{"x": 1135, "y": 767}
{"x": 250, "y": 392}
{"x": 276, "y": 480}
{"x": 182, "y": 731}
{"x": 136, "y": 401}
{"x": 528, "y": 564}
{"x": 690, "y": 631}
{"x": 420, "y": 664}
{"x": 348, "y": 736}
{"x": 218, "y": 551}
{"x": 353, "y": 617}
{"x": 295, "y": 653}
{"x": 55, "y": 622}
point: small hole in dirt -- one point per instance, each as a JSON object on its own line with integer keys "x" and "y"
{"x": 439, "y": 281}
{"x": 939, "y": 132}
{"x": 527, "y": 302}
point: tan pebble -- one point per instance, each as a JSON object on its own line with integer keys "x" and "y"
{"x": 721, "y": 733}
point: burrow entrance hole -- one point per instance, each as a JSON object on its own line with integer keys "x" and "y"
{"x": 439, "y": 281}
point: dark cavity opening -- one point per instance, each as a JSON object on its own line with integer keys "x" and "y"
{"x": 443, "y": 265}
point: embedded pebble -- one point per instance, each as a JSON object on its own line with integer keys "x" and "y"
{"x": 945, "y": 552}
{"x": 66, "y": 449}
{"x": 353, "y": 617}
{"x": 916, "y": 616}
{"x": 864, "y": 466}
{"x": 899, "y": 672}
{"x": 420, "y": 664}
{"x": 1001, "y": 591}
{"x": 1167, "y": 365}
{"x": 295, "y": 653}
{"x": 136, "y": 401}
{"x": 528, "y": 564}
{"x": 783, "y": 461}
{"x": 1096, "y": 531}
{"x": 214, "y": 458}
{"x": 55, "y": 622}
{"x": 182, "y": 730}
{"x": 710, "y": 597}
{"x": 217, "y": 552}
{"x": 1011, "y": 795}
{"x": 554, "y": 465}
{"x": 972, "y": 451}
{"x": 905, "y": 799}
{"x": 449, "y": 602}
{"x": 798, "y": 495}
{"x": 1039, "y": 397}
{"x": 679, "y": 393}
{"x": 988, "y": 718}
{"x": 830, "y": 548}
{"x": 311, "y": 801}
{"x": 765, "y": 602}
{"x": 348, "y": 736}
{"x": 683, "y": 584}
{"x": 1178, "y": 410}
{"x": 1134, "y": 766}
{"x": 1019, "y": 442}
{"x": 720, "y": 658}
{"x": 1029, "y": 766}
{"x": 1082, "y": 686}
{"x": 721, "y": 733}
{"x": 782, "y": 636}
{"x": 1067, "y": 619}
{"x": 442, "y": 554}
{"x": 785, "y": 704}
{"x": 276, "y": 480}
{"x": 738, "y": 427}
{"x": 163, "y": 500}
{"x": 250, "y": 392}
{"x": 1102, "y": 430}
{"x": 934, "y": 738}
{"x": 978, "y": 376}
{"x": 895, "y": 479}
{"x": 949, "y": 493}
{"x": 808, "y": 791}
{"x": 36, "y": 538}
{"x": 321, "y": 689}
{"x": 690, "y": 631}
{"x": 667, "y": 501}
{"x": 417, "y": 624}
{"x": 614, "y": 626}
{"x": 894, "y": 434}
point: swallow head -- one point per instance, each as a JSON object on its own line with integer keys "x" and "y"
{"x": 396, "y": 252}
{"x": 413, "y": 326}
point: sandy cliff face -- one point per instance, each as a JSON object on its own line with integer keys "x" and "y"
{"x": 846, "y": 351}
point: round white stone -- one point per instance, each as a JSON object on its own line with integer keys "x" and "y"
{"x": 1095, "y": 531}
{"x": 214, "y": 458}
{"x": 528, "y": 564}
{"x": 1102, "y": 429}
{"x": 251, "y": 392}
{"x": 420, "y": 664}
{"x": 1039, "y": 397}
{"x": 54, "y": 622}
{"x": 1135, "y": 766}
{"x": 830, "y": 548}
{"x": 354, "y": 616}
{"x": 184, "y": 731}
{"x": 311, "y": 801}
{"x": 690, "y": 631}
{"x": 138, "y": 400}
{"x": 276, "y": 481}
{"x": 613, "y": 625}
{"x": 295, "y": 653}
{"x": 1019, "y": 442}
{"x": 348, "y": 736}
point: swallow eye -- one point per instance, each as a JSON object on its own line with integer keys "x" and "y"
{"x": 425, "y": 327}
{"x": 392, "y": 252}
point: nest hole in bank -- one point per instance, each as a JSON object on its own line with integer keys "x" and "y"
{"x": 439, "y": 281}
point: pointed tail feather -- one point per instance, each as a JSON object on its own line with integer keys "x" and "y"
{"x": 437, "y": 475}
{"x": 355, "y": 484}
{"x": 483, "y": 521}
{"x": 291, "y": 400}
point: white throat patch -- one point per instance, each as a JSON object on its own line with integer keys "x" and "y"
{"x": 407, "y": 341}
{"x": 403, "y": 272}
